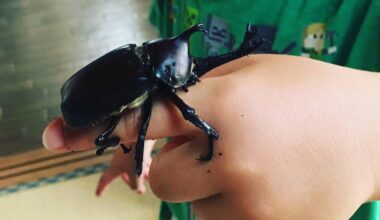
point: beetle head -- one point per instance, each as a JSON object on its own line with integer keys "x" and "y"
{"x": 171, "y": 59}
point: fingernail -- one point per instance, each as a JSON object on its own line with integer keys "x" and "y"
{"x": 141, "y": 190}
{"x": 52, "y": 137}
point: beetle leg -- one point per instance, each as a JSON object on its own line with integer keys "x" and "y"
{"x": 146, "y": 113}
{"x": 190, "y": 115}
{"x": 185, "y": 89}
{"x": 103, "y": 141}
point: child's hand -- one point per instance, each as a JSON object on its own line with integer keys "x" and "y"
{"x": 298, "y": 140}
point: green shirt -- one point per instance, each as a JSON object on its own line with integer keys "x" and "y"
{"x": 346, "y": 33}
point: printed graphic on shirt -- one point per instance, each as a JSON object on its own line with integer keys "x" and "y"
{"x": 314, "y": 41}
{"x": 219, "y": 40}
{"x": 269, "y": 33}
{"x": 191, "y": 16}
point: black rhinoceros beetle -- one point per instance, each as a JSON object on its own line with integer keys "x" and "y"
{"x": 125, "y": 78}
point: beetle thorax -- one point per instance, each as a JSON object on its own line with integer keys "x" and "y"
{"x": 170, "y": 61}
{"x": 175, "y": 70}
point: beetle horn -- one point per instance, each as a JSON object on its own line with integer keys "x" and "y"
{"x": 195, "y": 28}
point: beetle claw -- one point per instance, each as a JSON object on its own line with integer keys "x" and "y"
{"x": 210, "y": 152}
{"x": 100, "y": 151}
{"x": 126, "y": 149}
{"x": 202, "y": 28}
{"x": 185, "y": 89}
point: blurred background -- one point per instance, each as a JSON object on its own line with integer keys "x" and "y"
{"x": 42, "y": 43}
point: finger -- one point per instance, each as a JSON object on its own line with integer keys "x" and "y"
{"x": 177, "y": 176}
{"x": 136, "y": 182}
{"x": 146, "y": 176}
{"x": 58, "y": 137}
{"x": 230, "y": 67}
{"x": 140, "y": 185}
{"x": 148, "y": 148}
{"x": 126, "y": 179}
{"x": 52, "y": 137}
{"x": 107, "y": 177}
{"x": 146, "y": 168}
{"x": 132, "y": 181}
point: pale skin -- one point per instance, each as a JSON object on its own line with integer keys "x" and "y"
{"x": 299, "y": 139}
